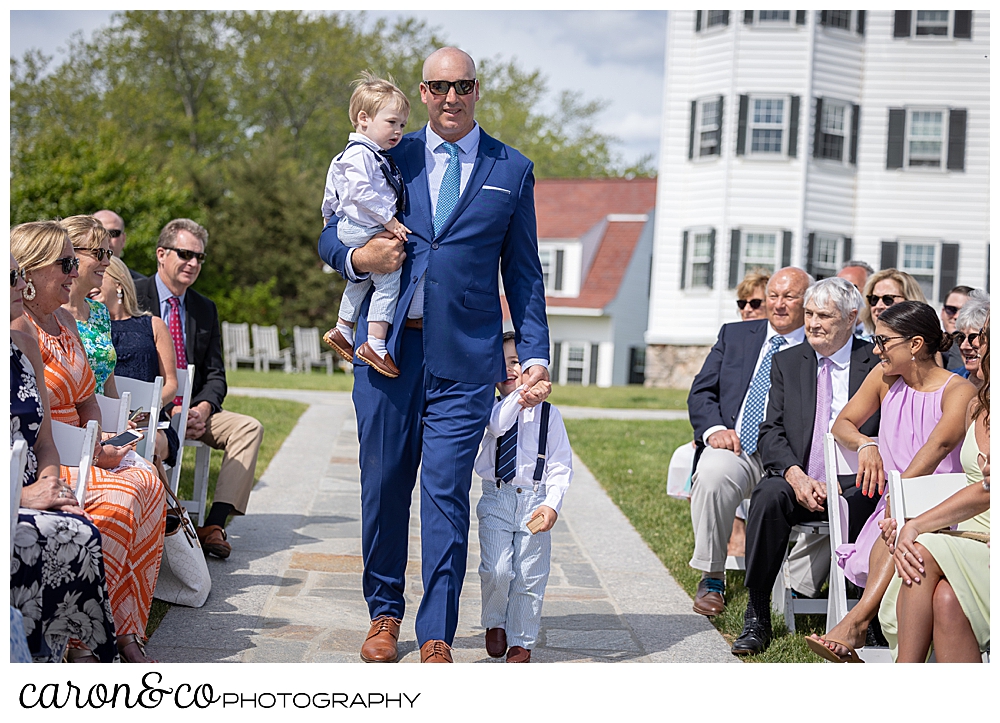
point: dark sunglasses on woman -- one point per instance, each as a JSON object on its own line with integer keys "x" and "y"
{"x": 887, "y": 299}
{"x": 881, "y": 339}
{"x": 754, "y": 303}
{"x": 14, "y": 274}
{"x": 68, "y": 263}
{"x": 97, "y": 253}
{"x": 441, "y": 87}
{"x": 973, "y": 338}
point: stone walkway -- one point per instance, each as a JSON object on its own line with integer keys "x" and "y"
{"x": 291, "y": 590}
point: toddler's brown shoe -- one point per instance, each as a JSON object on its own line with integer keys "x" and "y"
{"x": 336, "y": 341}
{"x": 383, "y": 366}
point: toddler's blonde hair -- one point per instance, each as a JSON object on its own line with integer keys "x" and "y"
{"x": 372, "y": 94}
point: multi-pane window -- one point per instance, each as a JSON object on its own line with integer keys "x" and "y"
{"x": 759, "y": 249}
{"x": 575, "y": 356}
{"x": 838, "y": 19}
{"x": 774, "y": 16}
{"x": 925, "y": 138}
{"x": 833, "y": 130}
{"x": 552, "y": 268}
{"x": 767, "y": 125}
{"x": 709, "y": 127}
{"x": 716, "y": 17}
{"x": 701, "y": 260}
{"x": 826, "y": 252}
{"x": 919, "y": 261}
{"x": 932, "y": 23}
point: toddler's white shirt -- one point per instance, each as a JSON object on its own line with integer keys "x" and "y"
{"x": 357, "y": 188}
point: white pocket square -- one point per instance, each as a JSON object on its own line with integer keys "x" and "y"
{"x": 496, "y": 188}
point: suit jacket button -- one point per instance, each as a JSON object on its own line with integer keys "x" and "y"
{"x": 414, "y": 279}
{"x": 435, "y": 245}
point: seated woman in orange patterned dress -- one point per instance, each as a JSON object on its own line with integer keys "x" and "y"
{"x": 126, "y": 503}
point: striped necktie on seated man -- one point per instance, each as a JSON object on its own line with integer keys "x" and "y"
{"x": 176, "y": 333}
{"x": 753, "y": 412}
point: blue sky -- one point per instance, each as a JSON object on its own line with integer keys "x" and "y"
{"x": 617, "y": 56}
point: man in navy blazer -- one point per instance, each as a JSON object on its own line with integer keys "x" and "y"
{"x": 726, "y": 407}
{"x": 446, "y": 338}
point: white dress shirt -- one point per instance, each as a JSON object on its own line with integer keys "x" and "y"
{"x": 840, "y": 377}
{"x": 791, "y": 339}
{"x": 357, "y": 188}
{"x": 558, "y": 454}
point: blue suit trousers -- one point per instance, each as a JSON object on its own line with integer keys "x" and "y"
{"x": 417, "y": 420}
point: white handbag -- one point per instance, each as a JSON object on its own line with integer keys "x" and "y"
{"x": 183, "y": 578}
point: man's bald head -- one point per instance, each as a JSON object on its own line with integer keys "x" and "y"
{"x": 786, "y": 292}
{"x": 113, "y": 223}
{"x": 451, "y": 115}
{"x": 450, "y": 57}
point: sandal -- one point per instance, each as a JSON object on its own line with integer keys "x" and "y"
{"x": 827, "y": 654}
{"x": 80, "y": 655}
{"x": 125, "y": 640}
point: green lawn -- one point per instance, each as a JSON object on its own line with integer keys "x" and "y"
{"x": 629, "y": 459}
{"x": 279, "y": 418}
{"x": 629, "y": 397}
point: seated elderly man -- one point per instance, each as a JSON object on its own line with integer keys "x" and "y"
{"x": 810, "y": 384}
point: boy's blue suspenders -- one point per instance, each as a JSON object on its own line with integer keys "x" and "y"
{"x": 389, "y": 170}
{"x": 543, "y": 434}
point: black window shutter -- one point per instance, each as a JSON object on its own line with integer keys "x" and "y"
{"x": 741, "y": 131}
{"x": 855, "y": 121}
{"x": 963, "y": 24}
{"x": 725, "y": 17}
{"x": 810, "y": 247}
{"x": 846, "y": 249}
{"x": 800, "y": 17}
{"x": 956, "y": 139}
{"x": 697, "y": 21}
{"x": 734, "y": 258}
{"x": 818, "y": 128}
{"x": 722, "y": 108}
{"x": 786, "y": 249}
{"x": 861, "y": 22}
{"x": 897, "y": 131}
{"x": 822, "y": 17}
{"x": 901, "y": 26}
{"x": 556, "y": 355}
{"x": 684, "y": 259}
{"x": 711, "y": 259}
{"x": 694, "y": 114}
{"x": 793, "y": 128}
{"x": 890, "y": 252}
{"x": 594, "y": 348}
{"x": 949, "y": 270}
{"x": 560, "y": 256}
{"x": 748, "y": 17}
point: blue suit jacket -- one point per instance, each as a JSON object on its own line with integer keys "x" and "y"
{"x": 492, "y": 226}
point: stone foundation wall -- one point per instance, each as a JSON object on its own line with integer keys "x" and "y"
{"x": 673, "y": 366}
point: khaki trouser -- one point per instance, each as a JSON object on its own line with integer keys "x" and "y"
{"x": 239, "y": 437}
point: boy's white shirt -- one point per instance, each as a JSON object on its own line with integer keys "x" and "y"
{"x": 558, "y": 453}
{"x": 357, "y": 188}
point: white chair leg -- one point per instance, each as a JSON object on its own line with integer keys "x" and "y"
{"x": 201, "y": 464}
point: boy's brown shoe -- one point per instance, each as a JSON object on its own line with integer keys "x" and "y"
{"x": 517, "y": 654}
{"x": 383, "y": 366}
{"x": 496, "y": 642}
{"x": 435, "y": 651}
{"x": 336, "y": 341}
{"x": 380, "y": 645}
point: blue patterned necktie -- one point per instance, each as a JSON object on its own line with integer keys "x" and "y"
{"x": 451, "y": 185}
{"x": 507, "y": 455}
{"x": 753, "y": 412}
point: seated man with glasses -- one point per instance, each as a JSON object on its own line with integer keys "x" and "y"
{"x": 193, "y": 321}
{"x": 953, "y": 304}
{"x": 115, "y": 226}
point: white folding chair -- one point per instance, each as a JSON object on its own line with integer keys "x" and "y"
{"x": 114, "y": 412}
{"x": 838, "y": 461}
{"x": 266, "y": 349}
{"x": 203, "y": 453}
{"x": 307, "y": 352}
{"x": 18, "y": 460}
{"x": 236, "y": 345}
{"x": 76, "y": 449}
{"x": 148, "y": 396}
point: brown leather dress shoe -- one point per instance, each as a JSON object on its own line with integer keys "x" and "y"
{"x": 336, "y": 341}
{"x": 708, "y": 599}
{"x": 383, "y": 366}
{"x": 435, "y": 651}
{"x": 213, "y": 541}
{"x": 517, "y": 654}
{"x": 380, "y": 645}
{"x": 496, "y": 642}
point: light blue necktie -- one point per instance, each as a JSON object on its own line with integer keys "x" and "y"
{"x": 753, "y": 412}
{"x": 451, "y": 186}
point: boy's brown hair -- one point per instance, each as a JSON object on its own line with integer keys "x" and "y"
{"x": 372, "y": 94}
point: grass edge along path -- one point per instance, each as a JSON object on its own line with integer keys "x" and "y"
{"x": 279, "y": 417}
{"x": 629, "y": 459}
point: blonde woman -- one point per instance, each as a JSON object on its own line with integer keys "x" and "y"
{"x": 885, "y": 288}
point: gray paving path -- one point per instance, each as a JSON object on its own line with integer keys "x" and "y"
{"x": 291, "y": 590}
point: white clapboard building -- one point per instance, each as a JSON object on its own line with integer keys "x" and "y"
{"x": 808, "y": 138}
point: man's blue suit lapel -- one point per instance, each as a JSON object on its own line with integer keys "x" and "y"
{"x": 752, "y": 351}
{"x": 415, "y": 176}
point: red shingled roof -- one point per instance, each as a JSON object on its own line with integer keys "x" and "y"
{"x": 608, "y": 268}
{"x": 569, "y": 207}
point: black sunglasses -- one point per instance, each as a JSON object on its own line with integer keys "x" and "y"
{"x": 14, "y": 274}
{"x": 973, "y": 338}
{"x": 441, "y": 87}
{"x": 887, "y": 299}
{"x": 186, "y": 255}
{"x": 68, "y": 263}
{"x": 950, "y": 310}
{"x": 97, "y": 253}
{"x": 881, "y": 339}
{"x": 754, "y": 303}
{"x": 115, "y": 232}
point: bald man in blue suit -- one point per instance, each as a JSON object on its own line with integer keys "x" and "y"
{"x": 470, "y": 207}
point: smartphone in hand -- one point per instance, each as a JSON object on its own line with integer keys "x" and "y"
{"x": 127, "y": 437}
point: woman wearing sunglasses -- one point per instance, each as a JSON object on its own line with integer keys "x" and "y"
{"x": 57, "y": 577}
{"x": 750, "y": 295}
{"x": 126, "y": 504}
{"x": 968, "y": 322}
{"x": 885, "y": 288}
{"x": 923, "y": 422}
